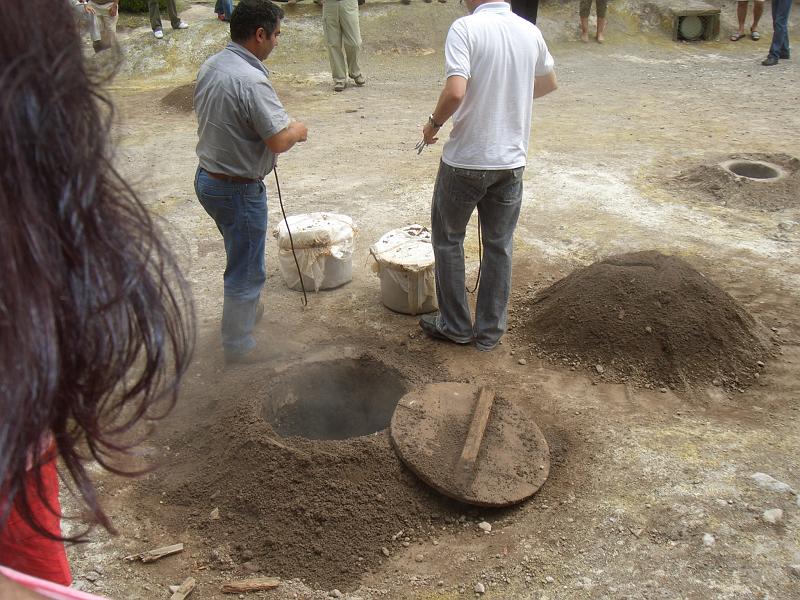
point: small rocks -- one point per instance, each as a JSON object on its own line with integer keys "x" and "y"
{"x": 663, "y": 390}
{"x": 385, "y": 551}
{"x": 522, "y": 361}
{"x": 709, "y": 540}
{"x": 251, "y": 566}
{"x": 716, "y": 382}
{"x": 92, "y": 576}
{"x": 549, "y": 579}
{"x": 221, "y": 559}
{"x": 773, "y": 515}
{"x": 795, "y": 570}
{"x": 419, "y": 558}
{"x": 770, "y": 483}
{"x": 336, "y": 594}
{"x": 214, "y": 515}
{"x": 484, "y": 526}
{"x": 480, "y": 588}
{"x": 600, "y": 369}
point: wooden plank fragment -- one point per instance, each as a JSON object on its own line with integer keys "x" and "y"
{"x": 480, "y": 417}
{"x": 156, "y": 554}
{"x": 184, "y": 590}
{"x": 250, "y": 585}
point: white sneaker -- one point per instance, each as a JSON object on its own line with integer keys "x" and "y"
{"x": 158, "y": 34}
{"x": 182, "y": 25}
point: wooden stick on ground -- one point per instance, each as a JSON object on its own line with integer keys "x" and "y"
{"x": 480, "y": 417}
{"x": 250, "y": 585}
{"x": 184, "y": 590}
{"x": 154, "y": 555}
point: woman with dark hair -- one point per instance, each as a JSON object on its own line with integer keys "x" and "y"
{"x": 95, "y": 320}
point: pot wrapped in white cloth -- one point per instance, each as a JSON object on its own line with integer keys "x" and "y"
{"x": 323, "y": 243}
{"x": 405, "y": 264}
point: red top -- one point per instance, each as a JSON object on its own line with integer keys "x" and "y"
{"x": 24, "y": 550}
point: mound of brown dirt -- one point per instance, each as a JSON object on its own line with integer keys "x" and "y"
{"x": 645, "y": 317}
{"x": 319, "y": 510}
{"x": 710, "y": 182}
{"x": 181, "y": 98}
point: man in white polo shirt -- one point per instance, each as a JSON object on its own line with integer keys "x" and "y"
{"x": 496, "y": 64}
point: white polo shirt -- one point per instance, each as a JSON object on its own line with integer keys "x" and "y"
{"x": 499, "y": 54}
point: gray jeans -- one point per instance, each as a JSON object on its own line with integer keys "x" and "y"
{"x": 498, "y": 197}
{"x": 155, "y": 14}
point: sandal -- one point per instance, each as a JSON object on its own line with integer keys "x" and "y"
{"x": 737, "y": 36}
{"x": 754, "y": 35}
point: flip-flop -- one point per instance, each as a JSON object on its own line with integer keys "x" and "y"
{"x": 737, "y": 36}
{"x": 755, "y": 35}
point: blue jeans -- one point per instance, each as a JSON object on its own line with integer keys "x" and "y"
{"x": 240, "y": 212}
{"x": 498, "y": 197}
{"x": 224, "y": 7}
{"x": 780, "y": 27}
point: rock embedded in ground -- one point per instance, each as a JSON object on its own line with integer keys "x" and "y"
{"x": 251, "y": 566}
{"x": 770, "y": 483}
{"x": 484, "y": 526}
{"x": 708, "y": 539}
{"x": 773, "y": 515}
{"x": 480, "y": 588}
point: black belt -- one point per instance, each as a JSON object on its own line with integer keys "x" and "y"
{"x": 231, "y": 178}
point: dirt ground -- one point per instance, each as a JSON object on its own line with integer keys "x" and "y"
{"x": 651, "y": 492}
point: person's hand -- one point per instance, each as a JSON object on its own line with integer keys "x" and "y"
{"x": 299, "y": 130}
{"x": 429, "y": 133}
{"x": 112, "y": 12}
{"x": 88, "y": 8}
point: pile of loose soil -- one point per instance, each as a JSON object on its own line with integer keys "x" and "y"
{"x": 646, "y": 318}
{"x": 181, "y": 98}
{"x": 710, "y": 182}
{"x": 325, "y": 511}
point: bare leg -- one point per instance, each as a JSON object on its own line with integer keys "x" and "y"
{"x": 601, "y": 27}
{"x": 758, "y": 10}
{"x": 584, "y": 29}
{"x": 741, "y": 14}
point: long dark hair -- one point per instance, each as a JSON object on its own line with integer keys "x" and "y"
{"x": 96, "y": 324}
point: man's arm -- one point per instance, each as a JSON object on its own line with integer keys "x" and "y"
{"x": 544, "y": 84}
{"x": 286, "y": 138}
{"x": 449, "y": 100}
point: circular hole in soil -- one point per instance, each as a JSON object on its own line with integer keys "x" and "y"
{"x": 334, "y": 400}
{"x": 760, "y": 171}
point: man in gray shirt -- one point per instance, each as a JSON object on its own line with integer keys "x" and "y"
{"x": 242, "y": 126}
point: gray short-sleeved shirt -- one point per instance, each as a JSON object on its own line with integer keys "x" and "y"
{"x": 237, "y": 109}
